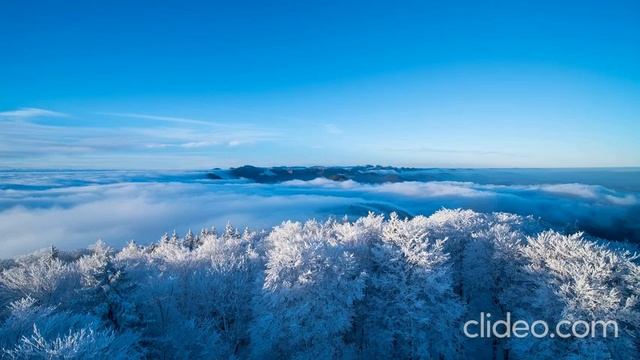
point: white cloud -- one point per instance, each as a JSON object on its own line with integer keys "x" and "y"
{"x": 171, "y": 119}
{"x": 431, "y": 189}
{"x": 198, "y": 144}
{"x": 324, "y": 182}
{"x": 581, "y": 190}
{"x": 75, "y": 217}
{"x": 625, "y": 200}
{"x": 119, "y": 206}
{"x": 28, "y": 113}
{"x": 28, "y": 144}
{"x": 585, "y": 191}
{"x": 233, "y": 143}
{"x": 407, "y": 188}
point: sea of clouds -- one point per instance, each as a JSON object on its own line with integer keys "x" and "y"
{"x": 73, "y": 209}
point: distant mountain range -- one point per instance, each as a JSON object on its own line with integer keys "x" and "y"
{"x": 621, "y": 179}
{"x": 268, "y": 175}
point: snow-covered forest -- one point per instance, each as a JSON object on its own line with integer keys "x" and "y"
{"x": 373, "y": 288}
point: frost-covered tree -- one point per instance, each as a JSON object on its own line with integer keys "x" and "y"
{"x": 410, "y": 298}
{"x": 190, "y": 240}
{"x": 489, "y": 259}
{"x": 371, "y": 288}
{"x": 106, "y": 288}
{"x": 42, "y": 276}
{"x": 164, "y": 238}
{"x": 306, "y": 303}
{"x": 174, "y": 237}
{"x": 195, "y": 302}
{"x": 571, "y": 278}
{"x": 87, "y": 342}
{"x": 166, "y": 279}
{"x": 232, "y": 265}
{"x": 33, "y": 331}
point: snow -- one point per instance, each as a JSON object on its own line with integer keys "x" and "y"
{"x": 375, "y": 287}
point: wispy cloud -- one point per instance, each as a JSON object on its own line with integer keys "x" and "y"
{"x": 332, "y": 129}
{"x": 28, "y": 113}
{"x": 27, "y": 143}
{"x": 170, "y": 119}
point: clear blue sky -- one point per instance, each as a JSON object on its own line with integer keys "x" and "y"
{"x": 187, "y": 84}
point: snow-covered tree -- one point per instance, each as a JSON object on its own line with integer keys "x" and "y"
{"x": 190, "y": 240}
{"x": 106, "y": 288}
{"x": 570, "y": 278}
{"x": 231, "y": 264}
{"x": 33, "y": 331}
{"x": 371, "y": 288}
{"x": 410, "y": 298}
{"x": 42, "y": 276}
{"x": 306, "y": 302}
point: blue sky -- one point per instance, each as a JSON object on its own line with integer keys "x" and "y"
{"x": 203, "y": 84}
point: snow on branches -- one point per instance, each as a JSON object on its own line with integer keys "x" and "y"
{"x": 371, "y": 288}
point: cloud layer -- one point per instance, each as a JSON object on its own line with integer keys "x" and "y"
{"x": 73, "y": 209}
